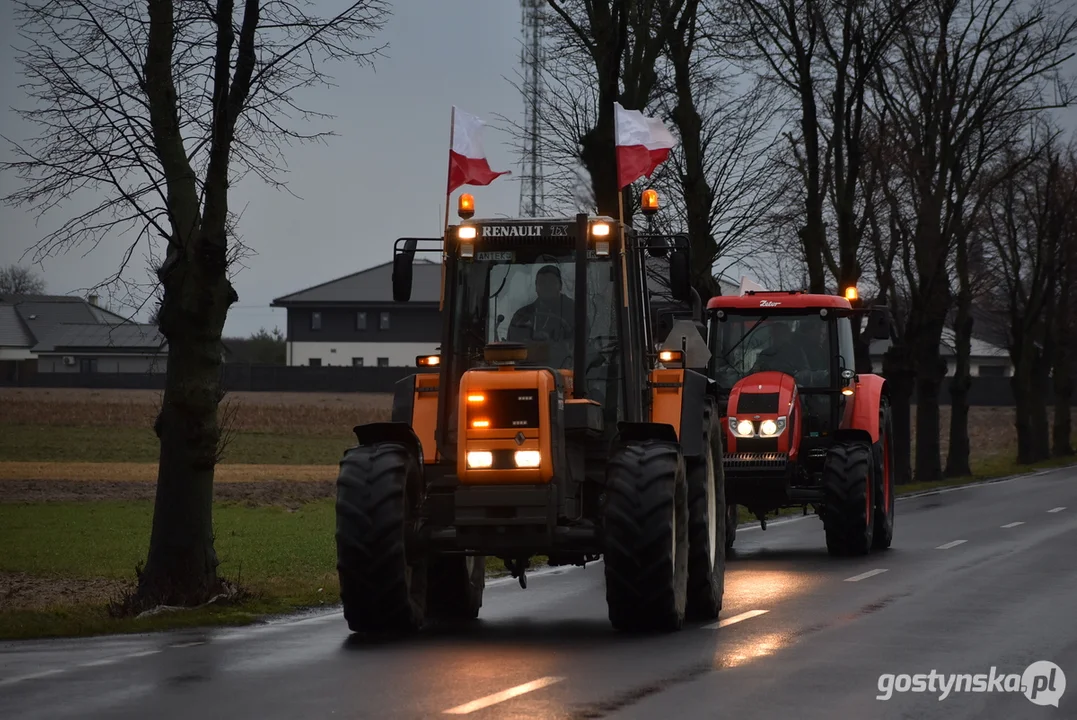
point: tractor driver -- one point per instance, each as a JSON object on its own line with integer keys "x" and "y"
{"x": 549, "y": 318}
{"x": 783, "y": 354}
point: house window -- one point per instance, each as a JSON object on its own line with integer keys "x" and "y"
{"x": 87, "y": 365}
{"x": 360, "y": 321}
{"x": 383, "y": 362}
{"x": 992, "y": 371}
{"x": 383, "y": 321}
{"x": 315, "y": 321}
{"x": 357, "y": 362}
{"x": 315, "y": 362}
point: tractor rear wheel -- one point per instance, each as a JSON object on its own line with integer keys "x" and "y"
{"x": 884, "y": 472}
{"x": 454, "y": 587}
{"x": 382, "y": 589}
{"x": 849, "y": 512}
{"x": 645, "y": 518}
{"x": 706, "y": 525}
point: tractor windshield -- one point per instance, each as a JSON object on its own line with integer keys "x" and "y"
{"x": 526, "y": 293}
{"x": 799, "y": 345}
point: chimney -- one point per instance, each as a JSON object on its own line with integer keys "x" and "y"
{"x": 92, "y": 299}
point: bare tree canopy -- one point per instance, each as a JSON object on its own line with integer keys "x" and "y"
{"x": 160, "y": 107}
{"x": 17, "y": 280}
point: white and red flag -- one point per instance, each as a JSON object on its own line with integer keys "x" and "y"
{"x": 467, "y": 159}
{"x": 643, "y": 143}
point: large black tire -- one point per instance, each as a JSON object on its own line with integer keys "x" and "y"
{"x": 884, "y": 474}
{"x": 732, "y": 519}
{"x": 706, "y": 525}
{"x": 454, "y": 587}
{"x": 849, "y": 516}
{"x": 645, "y": 519}
{"x": 377, "y": 494}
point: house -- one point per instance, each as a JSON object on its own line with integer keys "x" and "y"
{"x": 66, "y": 334}
{"x": 985, "y": 359}
{"x": 353, "y": 320}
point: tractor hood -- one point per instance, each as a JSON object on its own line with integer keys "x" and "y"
{"x": 762, "y": 414}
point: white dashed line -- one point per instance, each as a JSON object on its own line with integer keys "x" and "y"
{"x": 1057, "y": 509}
{"x": 500, "y": 697}
{"x": 951, "y": 544}
{"x": 1014, "y": 524}
{"x": 188, "y": 644}
{"x": 735, "y": 619}
{"x": 32, "y": 676}
{"x": 865, "y": 576}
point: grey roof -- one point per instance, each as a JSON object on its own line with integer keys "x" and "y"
{"x": 97, "y": 336}
{"x": 12, "y": 331}
{"x": 38, "y": 314}
{"x": 373, "y": 285}
{"x": 978, "y": 348}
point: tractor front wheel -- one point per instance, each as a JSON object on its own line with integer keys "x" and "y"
{"x": 645, "y": 518}
{"x": 706, "y": 525}
{"x": 383, "y": 590}
{"x": 849, "y": 510}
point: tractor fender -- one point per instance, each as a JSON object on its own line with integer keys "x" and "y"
{"x": 395, "y": 432}
{"x": 630, "y": 432}
{"x": 864, "y": 423}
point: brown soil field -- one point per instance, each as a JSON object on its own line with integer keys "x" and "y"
{"x": 278, "y": 413}
{"x": 19, "y": 591}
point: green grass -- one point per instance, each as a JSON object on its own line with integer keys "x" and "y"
{"x": 43, "y": 443}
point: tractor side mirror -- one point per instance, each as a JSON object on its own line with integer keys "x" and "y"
{"x": 402, "y": 266}
{"x": 680, "y": 275}
{"x": 879, "y": 324}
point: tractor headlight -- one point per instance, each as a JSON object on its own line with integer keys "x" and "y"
{"x": 480, "y": 459}
{"x": 770, "y": 428}
{"x": 527, "y": 458}
{"x": 743, "y": 428}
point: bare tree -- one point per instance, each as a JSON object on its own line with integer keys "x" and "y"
{"x": 963, "y": 72}
{"x": 17, "y": 280}
{"x": 162, "y": 106}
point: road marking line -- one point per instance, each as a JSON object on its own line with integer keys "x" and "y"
{"x": 951, "y": 544}
{"x": 101, "y": 662}
{"x": 188, "y": 644}
{"x": 735, "y": 619}
{"x": 1014, "y": 524}
{"x": 866, "y": 575}
{"x": 31, "y": 676}
{"x": 1057, "y": 509}
{"x": 500, "y": 697}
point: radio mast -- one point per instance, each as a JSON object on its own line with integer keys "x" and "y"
{"x": 532, "y": 59}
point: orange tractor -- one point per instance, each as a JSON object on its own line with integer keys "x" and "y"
{"x": 552, "y": 422}
{"x": 801, "y": 427}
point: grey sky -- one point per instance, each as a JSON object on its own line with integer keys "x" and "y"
{"x": 382, "y": 178}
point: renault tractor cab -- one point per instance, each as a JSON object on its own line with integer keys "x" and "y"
{"x": 802, "y": 427}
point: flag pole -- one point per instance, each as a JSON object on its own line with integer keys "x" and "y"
{"x": 620, "y": 206}
{"x": 448, "y": 173}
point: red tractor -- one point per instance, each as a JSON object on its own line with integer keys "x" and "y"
{"x": 802, "y": 427}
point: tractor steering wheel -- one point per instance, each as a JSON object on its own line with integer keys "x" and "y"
{"x": 543, "y": 333}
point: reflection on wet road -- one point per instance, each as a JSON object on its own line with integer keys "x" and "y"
{"x": 801, "y": 634}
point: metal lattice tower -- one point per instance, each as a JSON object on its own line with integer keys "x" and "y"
{"x": 532, "y": 58}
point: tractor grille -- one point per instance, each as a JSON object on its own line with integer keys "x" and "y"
{"x": 511, "y": 409}
{"x": 751, "y": 459}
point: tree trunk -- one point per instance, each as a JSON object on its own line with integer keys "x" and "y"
{"x": 930, "y": 371}
{"x": 957, "y": 459}
{"x": 1028, "y": 405}
{"x": 1062, "y": 432}
{"x": 898, "y": 369}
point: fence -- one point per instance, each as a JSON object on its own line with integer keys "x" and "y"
{"x": 985, "y": 391}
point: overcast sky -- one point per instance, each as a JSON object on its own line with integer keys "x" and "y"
{"x": 382, "y": 178}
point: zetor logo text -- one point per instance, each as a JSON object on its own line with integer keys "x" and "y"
{"x": 1042, "y": 683}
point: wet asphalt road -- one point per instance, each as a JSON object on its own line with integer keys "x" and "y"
{"x": 977, "y": 577}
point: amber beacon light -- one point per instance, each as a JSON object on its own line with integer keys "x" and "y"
{"x": 465, "y": 207}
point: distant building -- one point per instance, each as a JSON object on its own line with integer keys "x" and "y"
{"x": 985, "y": 359}
{"x": 66, "y": 334}
{"x": 353, "y": 320}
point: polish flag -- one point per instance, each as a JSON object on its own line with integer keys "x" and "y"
{"x": 467, "y": 159}
{"x": 643, "y": 143}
